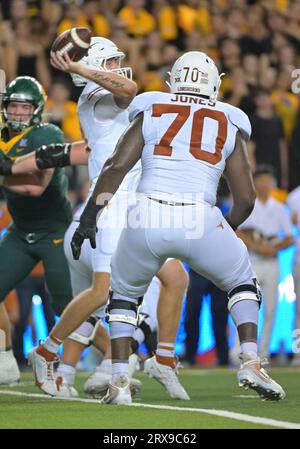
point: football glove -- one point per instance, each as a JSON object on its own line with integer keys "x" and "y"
{"x": 53, "y": 155}
{"x": 87, "y": 228}
{"x": 5, "y": 166}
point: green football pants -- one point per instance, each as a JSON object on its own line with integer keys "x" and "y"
{"x": 20, "y": 252}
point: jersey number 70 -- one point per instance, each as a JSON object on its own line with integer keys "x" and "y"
{"x": 164, "y": 147}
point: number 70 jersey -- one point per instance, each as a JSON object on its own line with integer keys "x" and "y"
{"x": 187, "y": 141}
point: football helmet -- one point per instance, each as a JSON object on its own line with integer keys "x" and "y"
{"x": 24, "y": 89}
{"x": 195, "y": 72}
{"x": 101, "y": 49}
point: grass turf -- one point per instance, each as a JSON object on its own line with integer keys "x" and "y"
{"x": 209, "y": 389}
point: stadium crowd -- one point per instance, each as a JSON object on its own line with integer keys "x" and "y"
{"x": 256, "y": 44}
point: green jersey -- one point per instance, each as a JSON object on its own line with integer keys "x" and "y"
{"x": 52, "y": 209}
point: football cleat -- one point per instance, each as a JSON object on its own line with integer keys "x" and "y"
{"x": 63, "y": 389}
{"x": 166, "y": 376}
{"x": 9, "y": 371}
{"x": 42, "y": 362}
{"x": 97, "y": 384}
{"x": 118, "y": 393}
{"x": 252, "y": 375}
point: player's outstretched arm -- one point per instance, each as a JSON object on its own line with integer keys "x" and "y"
{"x": 239, "y": 178}
{"x": 47, "y": 156}
{"x": 33, "y": 184}
{"x": 127, "y": 152}
{"x": 123, "y": 89}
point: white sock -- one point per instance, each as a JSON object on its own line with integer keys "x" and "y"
{"x": 105, "y": 365}
{"x": 250, "y": 348}
{"x": 67, "y": 372}
{"x": 118, "y": 370}
{"x": 165, "y": 349}
{"x": 51, "y": 345}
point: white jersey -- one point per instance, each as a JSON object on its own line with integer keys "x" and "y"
{"x": 102, "y": 123}
{"x": 187, "y": 141}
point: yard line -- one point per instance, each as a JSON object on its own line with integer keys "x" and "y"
{"x": 223, "y": 413}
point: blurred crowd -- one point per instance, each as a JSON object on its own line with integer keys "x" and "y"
{"x": 256, "y": 44}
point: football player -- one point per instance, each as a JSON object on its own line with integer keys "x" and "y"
{"x": 103, "y": 113}
{"x": 185, "y": 139}
{"x": 40, "y": 210}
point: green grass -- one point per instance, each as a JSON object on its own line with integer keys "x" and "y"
{"x": 209, "y": 389}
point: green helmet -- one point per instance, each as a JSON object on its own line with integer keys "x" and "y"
{"x": 24, "y": 89}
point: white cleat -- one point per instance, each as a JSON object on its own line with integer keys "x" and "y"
{"x": 167, "y": 377}
{"x": 118, "y": 393}
{"x": 63, "y": 389}
{"x": 9, "y": 370}
{"x": 252, "y": 375}
{"x": 42, "y": 362}
{"x": 97, "y": 384}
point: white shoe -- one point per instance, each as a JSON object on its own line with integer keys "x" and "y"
{"x": 64, "y": 389}
{"x": 252, "y": 375}
{"x": 167, "y": 377}
{"x": 97, "y": 384}
{"x": 118, "y": 393}
{"x": 42, "y": 362}
{"x": 9, "y": 370}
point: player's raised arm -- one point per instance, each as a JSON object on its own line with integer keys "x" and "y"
{"x": 123, "y": 89}
{"x": 239, "y": 178}
{"x": 128, "y": 151}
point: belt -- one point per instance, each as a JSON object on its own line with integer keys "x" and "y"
{"x": 171, "y": 203}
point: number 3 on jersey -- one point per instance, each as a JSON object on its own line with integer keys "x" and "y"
{"x": 164, "y": 147}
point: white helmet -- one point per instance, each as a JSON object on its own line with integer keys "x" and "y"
{"x": 100, "y": 50}
{"x": 195, "y": 72}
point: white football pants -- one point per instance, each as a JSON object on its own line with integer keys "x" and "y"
{"x": 198, "y": 235}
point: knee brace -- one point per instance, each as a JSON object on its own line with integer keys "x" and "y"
{"x": 86, "y": 331}
{"x": 242, "y": 292}
{"x": 122, "y": 316}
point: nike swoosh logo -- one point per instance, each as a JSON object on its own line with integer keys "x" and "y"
{"x": 18, "y": 150}
{"x": 58, "y": 241}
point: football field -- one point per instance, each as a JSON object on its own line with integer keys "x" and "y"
{"x": 216, "y": 403}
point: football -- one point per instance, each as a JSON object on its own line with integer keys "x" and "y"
{"x": 75, "y": 42}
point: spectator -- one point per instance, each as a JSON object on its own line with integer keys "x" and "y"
{"x": 268, "y": 143}
{"x": 26, "y": 57}
{"x": 139, "y": 22}
{"x": 63, "y": 112}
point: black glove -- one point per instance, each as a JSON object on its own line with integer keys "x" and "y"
{"x": 87, "y": 228}
{"x": 5, "y": 166}
{"x": 53, "y": 155}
